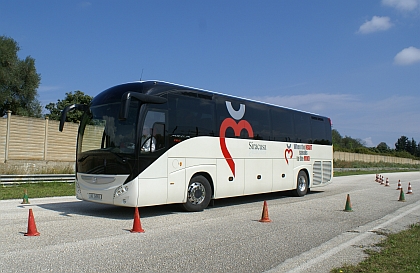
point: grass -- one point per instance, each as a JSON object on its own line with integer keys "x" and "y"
{"x": 376, "y": 165}
{"x": 371, "y": 168}
{"x": 37, "y": 190}
{"x": 356, "y": 172}
{"x": 400, "y": 253}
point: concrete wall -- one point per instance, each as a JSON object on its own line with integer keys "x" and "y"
{"x": 34, "y": 139}
{"x": 373, "y": 158}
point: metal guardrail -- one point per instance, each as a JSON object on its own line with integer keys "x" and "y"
{"x": 10, "y": 179}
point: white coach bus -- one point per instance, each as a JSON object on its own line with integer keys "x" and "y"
{"x": 150, "y": 143}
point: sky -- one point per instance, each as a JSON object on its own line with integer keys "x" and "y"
{"x": 357, "y": 62}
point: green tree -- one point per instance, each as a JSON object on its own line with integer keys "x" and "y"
{"x": 18, "y": 81}
{"x": 351, "y": 143}
{"x": 71, "y": 98}
{"x": 383, "y": 147}
{"x": 336, "y": 138}
{"x": 418, "y": 151}
{"x": 401, "y": 144}
{"x": 412, "y": 146}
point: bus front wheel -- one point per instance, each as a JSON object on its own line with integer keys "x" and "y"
{"x": 198, "y": 194}
{"x": 301, "y": 185}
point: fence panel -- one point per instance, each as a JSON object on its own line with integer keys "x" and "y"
{"x": 26, "y": 138}
{"x": 61, "y": 146}
{"x": 3, "y": 131}
{"x": 373, "y": 158}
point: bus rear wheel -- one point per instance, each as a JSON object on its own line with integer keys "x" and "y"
{"x": 301, "y": 185}
{"x": 198, "y": 194}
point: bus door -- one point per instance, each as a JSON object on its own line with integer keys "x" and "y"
{"x": 153, "y": 179}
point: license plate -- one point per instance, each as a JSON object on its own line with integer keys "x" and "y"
{"x": 95, "y": 196}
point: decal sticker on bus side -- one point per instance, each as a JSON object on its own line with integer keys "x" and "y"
{"x": 237, "y": 128}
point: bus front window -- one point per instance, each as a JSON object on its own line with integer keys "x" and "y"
{"x": 102, "y": 130}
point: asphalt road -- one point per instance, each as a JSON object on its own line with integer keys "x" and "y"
{"x": 308, "y": 234}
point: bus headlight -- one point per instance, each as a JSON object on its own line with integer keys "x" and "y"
{"x": 78, "y": 190}
{"x": 120, "y": 190}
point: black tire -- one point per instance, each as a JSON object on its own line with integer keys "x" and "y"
{"x": 302, "y": 184}
{"x": 198, "y": 194}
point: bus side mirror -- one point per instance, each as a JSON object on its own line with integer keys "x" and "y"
{"x": 125, "y": 103}
{"x": 69, "y": 108}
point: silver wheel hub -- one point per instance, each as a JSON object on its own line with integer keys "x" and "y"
{"x": 196, "y": 193}
{"x": 301, "y": 183}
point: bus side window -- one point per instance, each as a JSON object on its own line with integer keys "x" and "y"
{"x": 302, "y": 128}
{"x": 282, "y": 125}
{"x": 190, "y": 116}
{"x": 321, "y": 129}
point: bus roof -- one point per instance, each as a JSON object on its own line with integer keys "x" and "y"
{"x": 162, "y": 86}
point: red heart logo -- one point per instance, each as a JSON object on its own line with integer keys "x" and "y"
{"x": 288, "y": 152}
{"x": 237, "y": 128}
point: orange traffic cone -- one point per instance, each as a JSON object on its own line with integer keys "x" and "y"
{"x": 410, "y": 191}
{"x": 387, "y": 182}
{"x": 136, "y": 224}
{"x": 399, "y": 185}
{"x": 382, "y": 180}
{"x": 264, "y": 216}
{"x": 377, "y": 178}
{"x": 31, "y": 225}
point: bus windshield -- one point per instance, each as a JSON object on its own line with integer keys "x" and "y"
{"x": 100, "y": 129}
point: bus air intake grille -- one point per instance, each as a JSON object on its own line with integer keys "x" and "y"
{"x": 98, "y": 179}
{"x": 326, "y": 171}
{"x": 317, "y": 173}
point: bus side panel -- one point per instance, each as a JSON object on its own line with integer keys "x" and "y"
{"x": 177, "y": 187}
{"x": 283, "y": 178}
{"x": 153, "y": 183}
{"x": 152, "y": 191}
{"x": 176, "y": 180}
{"x": 227, "y": 185}
{"x": 258, "y": 175}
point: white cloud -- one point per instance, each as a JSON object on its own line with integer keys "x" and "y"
{"x": 376, "y": 24}
{"x": 407, "y": 56}
{"x": 403, "y": 5}
{"x": 368, "y": 141}
{"x": 318, "y": 103}
{"x": 47, "y": 88}
{"x": 85, "y": 4}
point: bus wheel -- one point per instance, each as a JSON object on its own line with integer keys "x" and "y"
{"x": 198, "y": 194}
{"x": 301, "y": 185}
